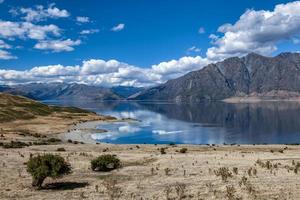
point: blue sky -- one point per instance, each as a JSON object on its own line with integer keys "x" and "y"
{"x": 149, "y": 42}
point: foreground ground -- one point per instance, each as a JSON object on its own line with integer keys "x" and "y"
{"x": 148, "y": 174}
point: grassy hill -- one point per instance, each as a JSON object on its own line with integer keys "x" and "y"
{"x": 20, "y": 108}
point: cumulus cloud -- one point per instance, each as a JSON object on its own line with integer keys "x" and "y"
{"x": 89, "y": 31}
{"x": 104, "y": 73}
{"x": 118, "y": 28}
{"x": 57, "y": 45}
{"x": 256, "y": 31}
{"x": 175, "y": 68}
{"x": 24, "y": 30}
{"x": 40, "y": 13}
{"x": 81, "y": 19}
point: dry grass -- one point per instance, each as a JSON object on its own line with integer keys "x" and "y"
{"x": 144, "y": 176}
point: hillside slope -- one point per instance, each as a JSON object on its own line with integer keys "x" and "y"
{"x": 20, "y": 108}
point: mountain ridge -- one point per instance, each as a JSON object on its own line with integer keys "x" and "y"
{"x": 251, "y": 75}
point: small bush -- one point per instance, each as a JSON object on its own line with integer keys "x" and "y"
{"x": 61, "y": 149}
{"x": 235, "y": 170}
{"x": 183, "y": 150}
{"x": 224, "y": 173}
{"x": 48, "y": 165}
{"x": 53, "y": 140}
{"x": 105, "y": 163}
{"x": 163, "y": 150}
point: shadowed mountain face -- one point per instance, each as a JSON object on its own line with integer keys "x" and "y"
{"x": 252, "y": 75}
{"x": 61, "y": 91}
{"x": 126, "y": 91}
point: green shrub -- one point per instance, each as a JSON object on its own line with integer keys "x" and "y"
{"x": 48, "y": 165}
{"x": 183, "y": 150}
{"x": 105, "y": 163}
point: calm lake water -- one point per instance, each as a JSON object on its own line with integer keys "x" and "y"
{"x": 203, "y": 123}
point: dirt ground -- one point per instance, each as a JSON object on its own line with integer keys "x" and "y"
{"x": 148, "y": 174}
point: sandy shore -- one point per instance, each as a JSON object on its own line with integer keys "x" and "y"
{"x": 249, "y": 171}
{"x": 83, "y": 132}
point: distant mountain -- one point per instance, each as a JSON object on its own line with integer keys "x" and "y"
{"x": 126, "y": 91}
{"x": 247, "y": 77}
{"x": 61, "y": 91}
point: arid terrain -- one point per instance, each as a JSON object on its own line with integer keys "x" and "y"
{"x": 254, "y": 172}
{"x": 148, "y": 171}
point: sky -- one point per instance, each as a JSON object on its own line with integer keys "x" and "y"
{"x": 136, "y": 42}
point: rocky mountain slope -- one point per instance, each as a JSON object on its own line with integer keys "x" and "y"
{"x": 250, "y": 76}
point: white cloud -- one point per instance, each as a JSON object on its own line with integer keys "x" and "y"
{"x": 5, "y": 55}
{"x": 57, "y": 45}
{"x": 118, "y": 27}
{"x": 4, "y": 45}
{"x": 193, "y": 49}
{"x": 175, "y": 68}
{"x": 256, "y": 31}
{"x": 39, "y": 13}
{"x": 81, "y": 19}
{"x": 24, "y": 30}
{"x": 201, "y": 30}
{"x": 89, "y": 31}
{"x": 104, "y": 73}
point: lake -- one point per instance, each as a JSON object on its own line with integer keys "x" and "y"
{"x": 202, "y": 123}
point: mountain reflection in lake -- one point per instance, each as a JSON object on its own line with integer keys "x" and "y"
{"x": 203, "y": 123}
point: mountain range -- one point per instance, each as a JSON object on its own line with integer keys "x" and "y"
{"x": 71, "y": 92}
{"x": 252, "y": 76}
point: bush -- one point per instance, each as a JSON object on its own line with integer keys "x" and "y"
{"x": 60, "y": 149}
{"x": 105, "y": 163}
{"x": 54, "y": 140}
{"x": 162, "y": 150}
{"x": 48, "y": 165}
{"x": 183, "y": 150}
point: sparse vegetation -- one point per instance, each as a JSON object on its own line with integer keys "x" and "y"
{"x": 15, "y": 144}
{"x": 224, "y": 172}
{"x": 48, "y": 165}
{"x": 113, "y": 191}
{"x": 60, "y": 149}
{"x": 105, "y": 163}
{"x": 183, "y": 150}
{"x": 163, "y": 150}
{"x": 230, "y": 192}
